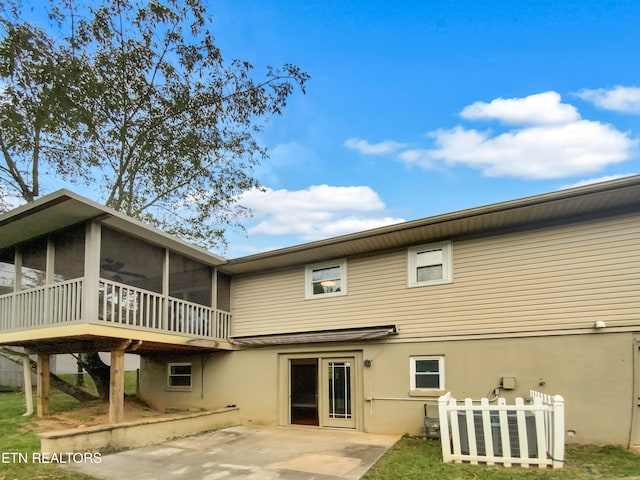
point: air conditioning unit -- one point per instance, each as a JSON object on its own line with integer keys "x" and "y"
{"x": 496, "y": 434}
{"x": 431, "y": 425}
{"x": 431, "y": 428}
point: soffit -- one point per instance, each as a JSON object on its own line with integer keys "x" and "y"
{"x": 62, "y": 209}
{"x": 617, "y": 196}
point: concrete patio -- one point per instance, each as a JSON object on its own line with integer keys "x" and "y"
{"x": 242, "y": 452}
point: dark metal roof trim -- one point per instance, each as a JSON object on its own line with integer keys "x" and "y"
{"x": 324, "y": 336}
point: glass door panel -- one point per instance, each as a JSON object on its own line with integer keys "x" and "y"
{"x": 304, "y": 391}
{"x": 337, "y": 391}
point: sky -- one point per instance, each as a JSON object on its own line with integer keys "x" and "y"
{"x": 417, "y": 108}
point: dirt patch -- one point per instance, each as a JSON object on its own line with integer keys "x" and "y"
{"x": 96, "y": 413}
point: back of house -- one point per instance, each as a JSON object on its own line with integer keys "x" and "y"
{"x": 364, "y": 331}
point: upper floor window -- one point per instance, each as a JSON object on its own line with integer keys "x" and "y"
{"x": 326, "y": 279}
{"x": 429, "y": 264}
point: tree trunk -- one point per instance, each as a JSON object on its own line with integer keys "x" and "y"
{"x": 99, "y": 372}
{"x": 56, "y": 381}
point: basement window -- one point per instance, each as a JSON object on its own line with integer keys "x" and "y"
{"x": 427, "y": 373}
{"x": 179, "y": 376}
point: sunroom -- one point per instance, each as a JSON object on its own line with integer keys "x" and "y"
{"x": 76, "y": 276}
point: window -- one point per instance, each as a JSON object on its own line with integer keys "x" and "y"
{"x": 326, "y": 279}
{"x": 427, "y": 373}
{"x": 179, "y": 376}
{"x": 429, "y": 264}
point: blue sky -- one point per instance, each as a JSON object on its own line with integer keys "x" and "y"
{"x": 416, "y": 108}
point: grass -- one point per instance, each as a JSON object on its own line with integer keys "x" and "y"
{"x": 419, "y": 459}
{"x": 17, "y": 437}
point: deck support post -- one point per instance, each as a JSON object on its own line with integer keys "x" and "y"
{"x": 43, "y": 385}
{"x": 28, "y": 388}
{"x": 116, "y": 383}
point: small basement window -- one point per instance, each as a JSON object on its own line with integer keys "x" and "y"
{"x": 427, "y": 373}
{"x": 179, "y": 376}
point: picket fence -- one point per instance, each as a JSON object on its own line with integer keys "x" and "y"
{"x": 521, "y": 434}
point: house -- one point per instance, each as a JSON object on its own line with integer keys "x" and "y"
{"x": 363, "y": 331}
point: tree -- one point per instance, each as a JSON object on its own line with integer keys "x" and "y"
{"x": 38, "y": 111}
{"x": 135, "y": 98}
{"x": 124, "y": 98}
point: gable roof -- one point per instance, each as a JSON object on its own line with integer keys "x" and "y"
{"x": 63, "y": 209}
{"x": 616, "y": 196}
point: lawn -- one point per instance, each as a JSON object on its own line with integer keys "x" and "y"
{"x": 419, "y": 459}
{"x": 18, "y": 441}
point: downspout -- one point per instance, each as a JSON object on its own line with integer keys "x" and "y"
{"x": 26, "y": 371}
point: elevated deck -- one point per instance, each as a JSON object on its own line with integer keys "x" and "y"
{"x": 69, "y": 317}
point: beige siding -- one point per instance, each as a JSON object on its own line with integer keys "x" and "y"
{"x": 548, "y": 279}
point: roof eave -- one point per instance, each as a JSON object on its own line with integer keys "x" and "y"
{"x": 540, "y": 206}
{"x": 80, "y": 209}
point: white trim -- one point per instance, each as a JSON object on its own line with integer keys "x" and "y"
{"x": 412, "y": 369}
{"x": 412, "y": 263}
{"x": 308, "y": 279}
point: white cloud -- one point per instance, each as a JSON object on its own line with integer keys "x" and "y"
{"x": 8, "y": 199}
{"x": 366, "y": 148}
{"x": 319, "y": 211}
{"x": 417, "y": 156}
{"x": 549, "y": 139}
{"x": 536, "y": 152}
{"x": 540, "y": 109}
{"x": 619, "y": 98}
{"x": 591, "y": 181}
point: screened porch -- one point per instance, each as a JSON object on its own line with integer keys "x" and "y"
{"x": 93, "y": 274}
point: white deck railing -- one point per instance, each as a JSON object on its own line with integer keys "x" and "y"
{"x": 120, "y": 304}
{"x": 521, "y": 434}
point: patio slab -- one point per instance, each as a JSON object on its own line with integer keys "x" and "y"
{"x": 248, "y": 452}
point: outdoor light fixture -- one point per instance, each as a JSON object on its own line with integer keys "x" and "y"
{"x": 599, "y": 324}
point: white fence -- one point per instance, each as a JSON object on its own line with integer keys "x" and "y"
{"x": 524, "y": 434}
